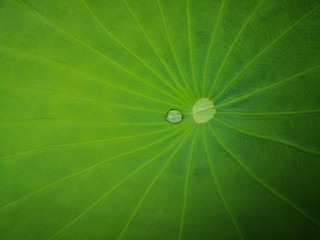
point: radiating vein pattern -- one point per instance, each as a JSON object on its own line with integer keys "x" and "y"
{"x": 233, "y": 44}
{"x": 265, "y": 185}
{"x": 178, "y": 92}
{"x": 123, "y": 68}
{"x": 86, "y": 148}
{"x": 221, "y": 195}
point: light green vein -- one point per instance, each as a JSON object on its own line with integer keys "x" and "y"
{"x": 53, "y": 121}
{"x": 259, "y": 181}
{"x": 187, "y": 185}
{"x": 56, "y": 63}
{"x": 82, "y": 98}
{"x": 133, "y": 54}
{"x": 76, "y": 39}
{"x": 304, "y": 112}
{"x": 87, "y": 169}
{"x": 213, "y": 37}
{"x": 102, "y": 197}
{"x": 48, "y": 147}
{"x": 182, "y": 139}
{"x": 266, "y": 88}
{"x": 219, "y": 190}
{"x": 163, "y": 62}
{"x": 194, "y": 80}
{"x": 173, "y": 51}
{"x": 233, "y": 44}
{"x": 265, "y": 49}
{"x": 271, "y": 139}
{"x": 54, "y": 91}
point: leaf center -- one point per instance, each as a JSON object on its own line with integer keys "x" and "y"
{"x": 203, "y": 110}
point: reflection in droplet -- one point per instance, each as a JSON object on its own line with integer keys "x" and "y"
{"x": 174, "y": 116}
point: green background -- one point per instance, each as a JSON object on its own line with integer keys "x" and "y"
{"x": 86, "y": 152}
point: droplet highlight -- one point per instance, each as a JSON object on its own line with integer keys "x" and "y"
{"x": 203, "y": 110}
{"x": 174, "y": 116}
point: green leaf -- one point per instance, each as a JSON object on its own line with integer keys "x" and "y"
{"x": 86, "y": 151}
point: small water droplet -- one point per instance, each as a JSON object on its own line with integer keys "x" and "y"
{"x": 174, "y": 116}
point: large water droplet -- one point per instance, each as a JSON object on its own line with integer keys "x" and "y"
{"x": 174, "y": 116}
{"x": 203, "y": 110}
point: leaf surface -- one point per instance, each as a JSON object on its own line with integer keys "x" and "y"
{"x": 86, "y": 151}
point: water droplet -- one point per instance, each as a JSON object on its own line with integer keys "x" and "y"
{"x": 203, "y": 110}
{"x": 174, "y": 116}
